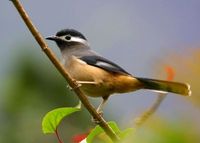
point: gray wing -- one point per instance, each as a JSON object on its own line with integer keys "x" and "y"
{"x": 103, "y": 63}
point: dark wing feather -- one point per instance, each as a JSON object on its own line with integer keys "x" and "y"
{"x": 103, "y": 63}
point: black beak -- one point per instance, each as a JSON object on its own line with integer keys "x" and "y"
{"x": 53, "y": 38}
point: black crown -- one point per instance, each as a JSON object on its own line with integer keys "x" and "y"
{"x": 71, "y": 32}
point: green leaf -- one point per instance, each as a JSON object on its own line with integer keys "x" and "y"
{"x": 52, "y": 119}
{"x": 98, "y": 130}
{"x": 125, "y": 133}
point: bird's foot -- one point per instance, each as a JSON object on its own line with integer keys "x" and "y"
{"x": 96, "y": 121}
{"x": 70, "y": 88}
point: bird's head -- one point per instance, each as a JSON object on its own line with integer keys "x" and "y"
{"x": 67, "y": 38}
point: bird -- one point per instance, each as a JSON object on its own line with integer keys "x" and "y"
{"x": 100, "y": 77}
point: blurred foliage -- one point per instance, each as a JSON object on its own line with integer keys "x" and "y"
{"x": 188, "y": 66}
{"x": 187, "y": 69}
{"x": 32, "y": 89}
{"x": 160, "y": 130}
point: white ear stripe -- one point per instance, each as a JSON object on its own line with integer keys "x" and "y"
{"x": 76, "y": 39}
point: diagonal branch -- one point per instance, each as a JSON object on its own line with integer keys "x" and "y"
{"x": 40, "y": 40}
{"x": 151, "y": 110}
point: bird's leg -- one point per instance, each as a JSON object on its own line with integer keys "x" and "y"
{"x": 82, "y": 82}
{"x": 101, "y": 105}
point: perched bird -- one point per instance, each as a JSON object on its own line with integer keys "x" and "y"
{"x": 100, "y": 77}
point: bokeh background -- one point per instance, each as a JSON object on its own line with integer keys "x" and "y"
{"x": 140, "y": 35}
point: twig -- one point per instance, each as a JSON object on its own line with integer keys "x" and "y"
{"x": 58, "y": 137}
{"x": 145, "y": 115}
{"x": 38, "y": 37}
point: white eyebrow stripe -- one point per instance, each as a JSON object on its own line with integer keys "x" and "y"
{"x": 77, "y": 39}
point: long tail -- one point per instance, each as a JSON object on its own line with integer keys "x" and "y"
{"x": 166, "y": 86}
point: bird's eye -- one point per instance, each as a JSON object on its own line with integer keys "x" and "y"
{"x": 68, "y": 37}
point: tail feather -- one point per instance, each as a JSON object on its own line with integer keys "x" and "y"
{"x": 166, "y": 86}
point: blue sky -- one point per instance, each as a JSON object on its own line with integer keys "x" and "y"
{"x": 138, "y": 28}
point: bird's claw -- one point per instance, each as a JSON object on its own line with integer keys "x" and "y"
{"x": 77, "y": 86}
{"x": 95, "y": 120}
